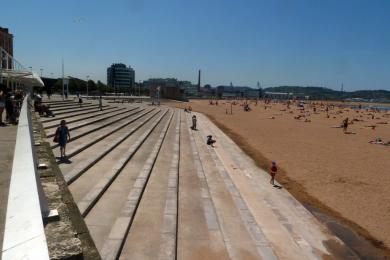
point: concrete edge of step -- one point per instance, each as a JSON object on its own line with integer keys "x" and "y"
{"x": 61, "y": 108}
{"x": 52, "y": 125}
{"x": 68, "y": 237}
{"x": 92, "y": 197}
{"x": 76, "y": 110}
{"x": 54, "y": 118}
{"x": 76, "y": 173}
{"x": 93, "y": 130}
{"x": 80, "y": 125}
{"x": 114, "y": 243}
{"x": 80, "y": 148}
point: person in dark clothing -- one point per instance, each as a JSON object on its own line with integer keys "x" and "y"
{"x": 63, "y": 136}
{"x": 273, "y": 171}
{"x": 2, "y": 103}
{"x": 345, "y": 124}
{"x": 210, "y": 140}
{"x": 194, "y": 120}
{"x": 9, "y": 108}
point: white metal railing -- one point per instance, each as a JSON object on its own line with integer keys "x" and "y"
{"x": 24, "y": 235}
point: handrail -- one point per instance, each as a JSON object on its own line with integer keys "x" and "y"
{"x": 24, "y": 235}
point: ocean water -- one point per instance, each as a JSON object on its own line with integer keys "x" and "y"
{"x": 383, "y": 108}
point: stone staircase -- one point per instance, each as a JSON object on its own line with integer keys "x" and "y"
{"x": 149, "y": 187}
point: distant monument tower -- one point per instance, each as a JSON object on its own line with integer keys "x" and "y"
{"x": 199, "y": 81}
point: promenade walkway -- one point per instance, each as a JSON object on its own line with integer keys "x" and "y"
{"x": 7, "y": 145}
{"x": 149, "y": 187}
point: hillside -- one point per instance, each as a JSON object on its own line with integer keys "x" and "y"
{"x": 326, "y": 93}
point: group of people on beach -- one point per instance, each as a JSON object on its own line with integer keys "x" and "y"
{"x": 305, "y": 109}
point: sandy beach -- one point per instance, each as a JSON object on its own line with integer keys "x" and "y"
{"x": 341, "y": 173}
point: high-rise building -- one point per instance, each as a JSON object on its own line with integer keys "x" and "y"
{"x": 119, "y": 75}
{"x": 7, "y": 43}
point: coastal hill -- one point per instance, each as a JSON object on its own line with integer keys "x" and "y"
{"x": 327, "y": 93}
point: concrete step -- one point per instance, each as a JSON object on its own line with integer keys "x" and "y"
{"x": 85, "y": 142}
{"x": 50, "y": 119}
{"x": 73, "y": 119}
{"x": 199, "y": 234}
{"x": 89, "y": 158}
{"x": 90, "y": 199}
{"x": 78, "y": 133}
{"x": 232, "y": 218}
{"x": 277, "y": 213}
{"x": 77, "y": 125}
{"x": 57, "y": 109}
{"x": 93, "y": 107}
{"x": 264, "y": 248}
{"x": 75, "y": 104}
{"x": 59, "y": 102}
{"x": 111, "y": 247}
{"x": 119, "y": 189}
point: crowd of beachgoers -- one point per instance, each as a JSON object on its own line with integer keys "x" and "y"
{"x": 369, "y": 116}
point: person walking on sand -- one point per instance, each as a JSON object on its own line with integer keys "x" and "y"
{"x": 194, "y": 120}
{"x": 63, "y": 136}
{"x": 273, "y": 171}
{"x": 345, "y": 124}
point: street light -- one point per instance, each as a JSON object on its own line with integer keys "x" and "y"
{"x": 87, "y": 84}
{"x": 139, "y": 91}
{"x": 41, "y": 72}
{"x": 1, "y": 65}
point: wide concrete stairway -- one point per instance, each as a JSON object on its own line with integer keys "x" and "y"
{"x": 149, "y": 187}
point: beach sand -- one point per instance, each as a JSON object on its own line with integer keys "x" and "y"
{"x": 342, "y": 174}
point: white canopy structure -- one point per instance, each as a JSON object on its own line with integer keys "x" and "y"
{"x": 13, "y": 71}
{"x": 27, "y": 78}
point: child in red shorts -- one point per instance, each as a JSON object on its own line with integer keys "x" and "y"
{"x": 273, "y": 171}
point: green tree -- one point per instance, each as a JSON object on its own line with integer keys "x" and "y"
{"x": 92, "y": 85}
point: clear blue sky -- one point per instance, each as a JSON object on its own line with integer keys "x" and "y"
{"x": 302, "y": 42}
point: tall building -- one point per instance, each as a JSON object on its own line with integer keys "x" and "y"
{"x": 7, "y": 43}
{"x": 119, "y": 75}
{"x": 190, "y": 90}
{"x": 169, "y": 88}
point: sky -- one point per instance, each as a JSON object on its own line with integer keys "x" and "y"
{"x": 276, "y": 42}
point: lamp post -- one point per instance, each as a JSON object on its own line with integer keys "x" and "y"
{"x": 41, "y": 71}
{"x": 158, "y": 96}
{"x": 139, "y": 91}
{"x": 87, "y": 85}
{"x": 1, "y": 65}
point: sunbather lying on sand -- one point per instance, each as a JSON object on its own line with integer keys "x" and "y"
{"x": 379, "y": 141}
